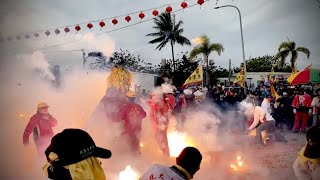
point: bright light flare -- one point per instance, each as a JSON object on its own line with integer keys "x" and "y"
{"x": 177, "y": 142}
{"x": 238, "y": 165}
{"x": 128, "y": 174}
{"x": 197, "y": 40}
{"x": 141, "y": 144}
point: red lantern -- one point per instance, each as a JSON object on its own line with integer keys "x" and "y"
{"x": 127, "y": 18}
{"x": 141, "y": 15}
{"x": 77, "y": 28}
{"x": 36, "y": 34}
{"x": 200, "y": 2}
{"x": 47, "y": 33}
{"x": 66, "y": 30}
{"x": 102, "y": 24}
{"x": 57, "y": 31}
{"x": 114, "y": 21}
{"x": 155, "y": 12}
{"x": 184, "y": 5}
{"x": 90, "y": 26}
{"x": 169, "y": 9}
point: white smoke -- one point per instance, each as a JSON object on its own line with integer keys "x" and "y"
{"x": 38, "y": 63}
{"x": 73, "y": 104}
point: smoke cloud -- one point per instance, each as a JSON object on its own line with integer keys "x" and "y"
{"x": 76, "y": 105}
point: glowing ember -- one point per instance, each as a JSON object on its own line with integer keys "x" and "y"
{"x": 128, "y": 174}
{"x": 238, "y": 165}
{"x": 177, "y": 142}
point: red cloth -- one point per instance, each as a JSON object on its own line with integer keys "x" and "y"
{"x": 170, "y": 102}
{"x": 112, "y": 106}
{"x": 132, "y": 114}
{"x": 301, "y": 121}
{"x": 44, "y": 125}
{"x": 302, "y": 103}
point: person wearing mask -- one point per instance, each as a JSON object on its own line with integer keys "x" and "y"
{"x": 262, "y": 121}
{"x": 315, "y": 108}
{"x": 187, "y": 164}
{"x": 41, "y": 125}
{"x": 131, "y": 115}
{"x": 73, "y": 155}
{"x": 307, "y": 165}
{"x": 301, "y": 108}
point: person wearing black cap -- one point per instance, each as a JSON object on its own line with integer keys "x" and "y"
{"x": 73, "y": 155}
{"x": 307, "y": 165}
{"x": 187, "y": 164}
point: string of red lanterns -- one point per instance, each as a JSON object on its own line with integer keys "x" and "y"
{"x": 102, "y": 23}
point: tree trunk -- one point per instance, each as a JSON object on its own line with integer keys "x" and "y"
{"x": 207, "y": 70}
{"x": 173, "y": 61}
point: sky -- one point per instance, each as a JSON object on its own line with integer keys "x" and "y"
{"x": 266, "y": 23}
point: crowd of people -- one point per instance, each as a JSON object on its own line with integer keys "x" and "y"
{"x": 73, "y": 148}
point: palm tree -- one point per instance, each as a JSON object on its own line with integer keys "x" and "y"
{"x": 205, "y": 48}
{"x": 289, "y": 47}
{"x": 168, "y": 31}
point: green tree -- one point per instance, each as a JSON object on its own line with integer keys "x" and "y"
{"x": 205, "y": 48}
{"x": 121, "y": 58}
{"x": 168, "y": 31}
{"x": 264, "y": 64}
{"x": 289, "y": 47}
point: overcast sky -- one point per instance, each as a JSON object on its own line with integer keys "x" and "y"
{"x": 266, "y": 24}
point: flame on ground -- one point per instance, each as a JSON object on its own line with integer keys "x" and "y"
{"x": 177, "y": 142}
{"x": 128, "y": 174}
{"x": 238, "y": 165}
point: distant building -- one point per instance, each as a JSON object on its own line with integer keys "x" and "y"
{"x": 254, "y": 78}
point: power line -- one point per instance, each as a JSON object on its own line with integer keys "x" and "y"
{"x": 107, "y": 18}
{"x": 124, "y": 27}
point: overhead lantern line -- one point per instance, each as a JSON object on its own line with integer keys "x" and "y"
{"x": 47, "y": 31}
{"x": 107, "y": 32}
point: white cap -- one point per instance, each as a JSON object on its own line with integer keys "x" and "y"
{"x": 187, "y": 92}
{"x": 198, "y": 94}
{"x": 166, "y": 88}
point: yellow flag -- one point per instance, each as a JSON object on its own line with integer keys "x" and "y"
{"x": 195, "y": 79}
{"x": 240, "y": 78}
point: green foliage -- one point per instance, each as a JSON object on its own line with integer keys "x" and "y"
{"x": 286, "y": 48}
{"x": 205, "y": 48}
{"x": 168, "y": 31}
{"x": 264, "y": 64}
{"x": 121, "y": 58}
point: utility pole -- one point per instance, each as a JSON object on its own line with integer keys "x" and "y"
{"x": 229, "y": 71}
{"x": 83, "y": 58}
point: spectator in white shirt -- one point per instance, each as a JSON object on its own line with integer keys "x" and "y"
{"x": 263, "y": 121}
{"x": 266, "y": 104}
{"x": 316, "y": 107}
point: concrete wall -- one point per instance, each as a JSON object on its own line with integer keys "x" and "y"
{"x": 255, "y": 77}
{"x": 147, "y": 81}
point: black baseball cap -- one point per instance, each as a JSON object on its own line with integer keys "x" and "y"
{"x": 74, "y": 145}
{"x": 313, "y": 146}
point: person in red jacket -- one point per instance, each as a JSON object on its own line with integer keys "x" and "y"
{"x": 43, "y": 122}
{"x": 131, "y": 114}
{"x": 161, "y": 107}
{"x": 301, "y": 108}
